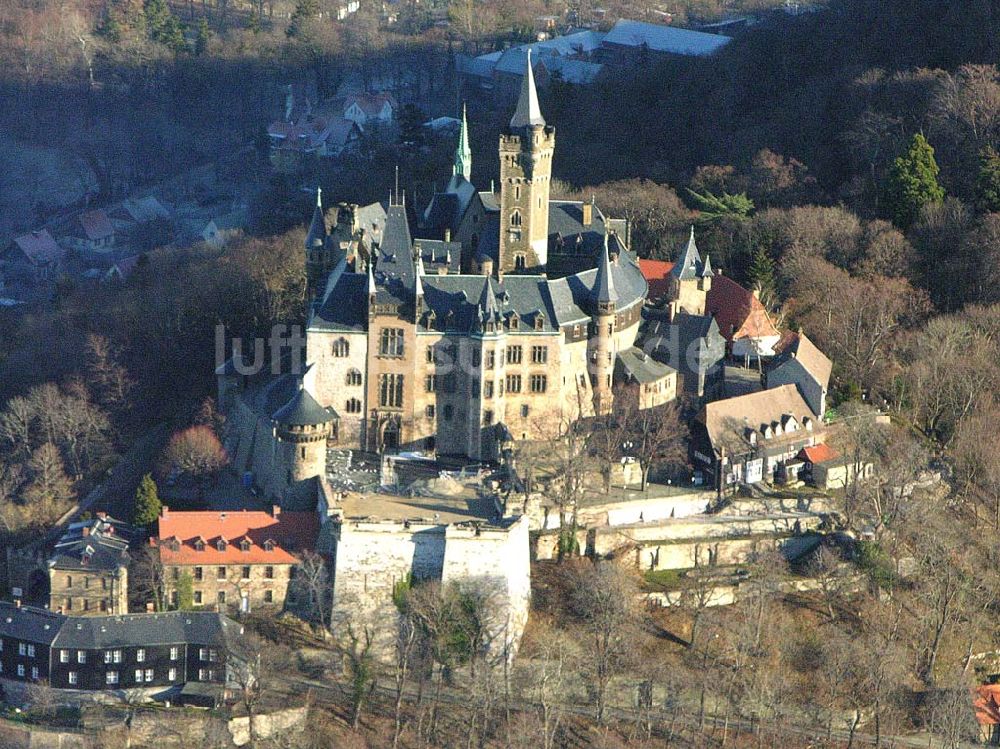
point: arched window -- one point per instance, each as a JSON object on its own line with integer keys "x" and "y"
{"x": 341, "y": 348}
{"x": 354, "y": 377}
{"x": 515, "y": 218}
{"x": 353, "y": 406}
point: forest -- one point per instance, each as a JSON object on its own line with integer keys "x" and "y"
{"x": 843, "y": 162}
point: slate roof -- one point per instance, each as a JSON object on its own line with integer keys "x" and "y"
{"x": 813, "y": 361}
{"x": 29, "y": 623}
{"x": 604, "y": 283}
{"x": 39, "y": 247}
{"x": 633, "y": 364}
{"x": 689, "y": 264}
{"x": 164, "y": 628}
{"x": 659, "y": 38}
{"x": 579, "y": 72}
{"x": 95, "y": 225}
{"x": 303, "y": 410}
{"x": 344, "y": 305}
{"x": 691, "y": 344}
{"x": 527, "y": 113}
{"x": 98, "y": 544}
{"x": 394, "y": 269}
{"x": 436, "y": 253}
{"x": 142, "y": 210}
{"x": 316, "y": 235}
{"x": 446, "y": 209}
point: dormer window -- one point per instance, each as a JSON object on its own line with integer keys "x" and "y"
{"x": 514, "y": 321}
{"x": 245, "y": 545}
{"x": 269, "y": 545}
{"x": 767, "y": 431}
{"x": 751, "y": 436}
{"x": 539, "y": 321}
{"x": 221, "y": 544}
{"x": 199, "y": 544}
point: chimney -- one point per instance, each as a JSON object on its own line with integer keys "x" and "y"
{"x": 447, "y": 235}
{"x": 275, "y": 511}
{"x": 588, "y": 214}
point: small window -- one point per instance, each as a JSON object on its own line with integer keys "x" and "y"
{"x": 519, "y": 262}
{"x": 81, "y": 656}
{"x": 197, "y": 573}
{"x": 487, "y": 418}
{"x": 448, "y": 411}
{"x": 269, "y": 572}
{"x": 202, "y": 654}
{"x": 172, "y": 674}
{"x": 64, "y": 656}
{"x": 524, "y": 410}
{"x": 429, "y": 411}
{"x": 341, "y": 348}
{"x": 220, "y": 545}
{"x": 20, "y": 670}
{"x": 220, "y": 573}
{"x": 245, "y": 573}
{"x": 138, "y": 676}
{"x": 353, "y": 406}
{"x": 111, "y": 677}
{"x": 140, "y": 655}
{"x": 269, "y": 545}
{"x": 268, "y": 596}
{"x": 175, "y": 653}
{"x": 31, "y": 651}
{"x": 221, "y": 597}
{"x": 515, "y": 218}
{"x": 149, "y": 674}
{"x": 197, "y": 597}
{"x": 354, "y": 377}
{"x": 245, "y": 544}
{"x": 72, "y": 676}
{"x": 34, "y": 672}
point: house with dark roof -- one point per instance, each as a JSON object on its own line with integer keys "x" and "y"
{"x": 34, "y": 256}
{"x": 650, "y": 383}
{"x": 88, "y": 568}
{"x": 690, "y": 344}
{"x": 236, "y": 561}
{"x": 92, "y": 231}
{"x": 155, "y": 653}
{"x": 750, "y": 438}
{"x": 634, "y": 42}
{"x": 800, "y": 363}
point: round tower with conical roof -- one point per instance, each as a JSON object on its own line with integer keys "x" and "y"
{"x": 316, "y": 245}
{"x": 302, "y": 427}
{"x": 604, "y": 300}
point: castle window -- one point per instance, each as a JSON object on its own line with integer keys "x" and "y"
{"x": 487, "y": 418}
{"x": 515, "y": 218}
{"x": 513, "y": 354}
{"x": 430, "y": 354}
{"x": 391, "y": 342}
{"x": 513, "y": 383}
{"x": 341, "y": 348}
{"x": 429, "y": 411}
{"x": 430, "y": 383}
{"x": 491, "y": 359}
{"x": 488, "y": 389}
{"x": 539, "y": 383}
{"x": 517, "y": 192}
{"x": 354, "y": 377}
{"x": 390, "y": 390}
{"x": 519, "y": 262}
{"x": 353, "y": 406}
{"x": 525, "y": 411}
{"x": 539, "y": 355}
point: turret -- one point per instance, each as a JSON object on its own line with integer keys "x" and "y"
{"x": 526, "y": 150}
{"x": 316, "y": 236}
{"x": 604, "y": 300}
{"x": 690, "y": 280}
{"x": 302, "y": 427}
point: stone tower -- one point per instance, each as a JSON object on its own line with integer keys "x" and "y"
{"x": 526, "y": 149}
{"x": 463, "y": 152}
{"x": 690, "y": 280}
{"x": 601, "y": 344}
{"x": 302, "y": 427}
{"x": 315, "y": 246}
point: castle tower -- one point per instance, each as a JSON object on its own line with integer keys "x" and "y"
{"x": 315, "y": 244}
{"x": 690, "y": 280}
{"x": 601, "y": 343}
{"x": 463, "y": 153}
{"x": 526, "y": 149}
{"x": 302, "y": 427}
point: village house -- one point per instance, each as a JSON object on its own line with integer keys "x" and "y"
{"x": 317, "y": 137}
{"x": 153, "y": 653}
{"x": 647, "y": 382}
{"x": 236, "y": 560}
{"x": 370, "y": 109}
{"x": 751, "y": 438}
{"x": 800, "y": 363}
{"x": 220, "y": 230}
{"x": 88, "y": 569}
{"x": 34, "y": 257}
{"x": 743, "y": 321}
{"x": 92, "y": 231}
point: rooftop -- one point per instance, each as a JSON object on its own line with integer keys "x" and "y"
{"x": 659, "y": 38}
{"x": 464, "y": 505}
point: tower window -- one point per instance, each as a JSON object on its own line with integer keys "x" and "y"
{"x": 390, "y": 391}
{"x": 354, "y": 377}
{"x": 515, "y": 218}
{"x": 517, "y": 192}
{"x": 353, "y": 406}
{"x": 391, "y": 342}
{"x": 519, "y": 262}
{"x": 341, "y": 348}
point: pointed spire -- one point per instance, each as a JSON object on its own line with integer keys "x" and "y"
{"x": 604, "y": 283}
{"x": 689, "y": 264}
{"x": 706, "y": 271}
{"x": 463, "y": 153}
{"x": 371, "y": 280}
{"x": 418, "y": 286}
{"x": 528, "y": 112}
{"x": 316, "y": 236}
{"x": 488, "y": 301}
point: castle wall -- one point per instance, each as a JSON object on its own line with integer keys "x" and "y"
{"x": 330, "y": 385}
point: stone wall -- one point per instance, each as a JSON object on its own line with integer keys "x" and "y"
{"x": 330, "y": 379}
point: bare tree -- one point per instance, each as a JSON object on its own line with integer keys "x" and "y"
{"x": 656, "y": 435}
{"x": 313, "y": 589}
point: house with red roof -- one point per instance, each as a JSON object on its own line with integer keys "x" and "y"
{"x": 986, "y": 704}
{"x": 34, "y": 256}
{"x": 826, "y": 468}
{"x": 365, "y": 109}
{"x": 92, "y": 231}
{"x": 657, "y": 275}
{"x": 742, "y": 318}
{"x": 232, "y": 560}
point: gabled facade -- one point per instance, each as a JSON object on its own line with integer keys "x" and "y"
{"x": 801, "y": 364}
{"x": 88, "y": 570}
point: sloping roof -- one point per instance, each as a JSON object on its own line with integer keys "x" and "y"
{"x": 634, "y": 364}
{"x": 98, "y": 544}
{"x": 604, "y": 282}
{"x": 142, "y": 210}
{"x": 818, "y": 453}
{"x": 739, "y": 313}
{"x": 480, "y": 67}
{"x": 164, "y": 628}
{"x": 691, "y": 344}
{"x": 39, "y": 247}
{"x": 579, "y": 72}
{"x": 656, "y": 273}
{"x": 727, "y": 421}
{"x": 302, "y": 410}
{"x": 96, "y": 225}
{"x": 659, "y": 38}
{"x": 344, "y": 305}
{"x": 371, "y": 104}
{"x": 813, "y": 361}
{"x": 30, "y": 624}
{"x": 232, "y": 221}
{"x": 291, "y": 532}
{"x": 689, "y": 265}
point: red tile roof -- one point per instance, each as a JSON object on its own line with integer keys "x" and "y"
{"x": 737, "y": 311}
{"x": 818, "y": 453}
{"x": 370, "y": 104}
{"x": 987, "y": 704}
{"x": 96, "y": 225}
{"x": 291, "y": 532}
{"x": 656, "y": 273}
{"x": 39, "y": 247}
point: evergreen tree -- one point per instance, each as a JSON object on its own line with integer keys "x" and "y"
{"x": 185, "y": 592}
{"x": 761, "y": 274}
{"x": 202, "y": 38}
{"x": 147, "y": 502}
{"x": 305, "y": 13}
{"x": 912, "y": 182}
{"x": 157, "y": 18}
{"x": 714, "y": 207}
{"x": 255, "y": 25}
{"x": 988, "y": 185}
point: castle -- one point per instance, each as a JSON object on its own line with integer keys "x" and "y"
{"x": 505, "y": 319}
